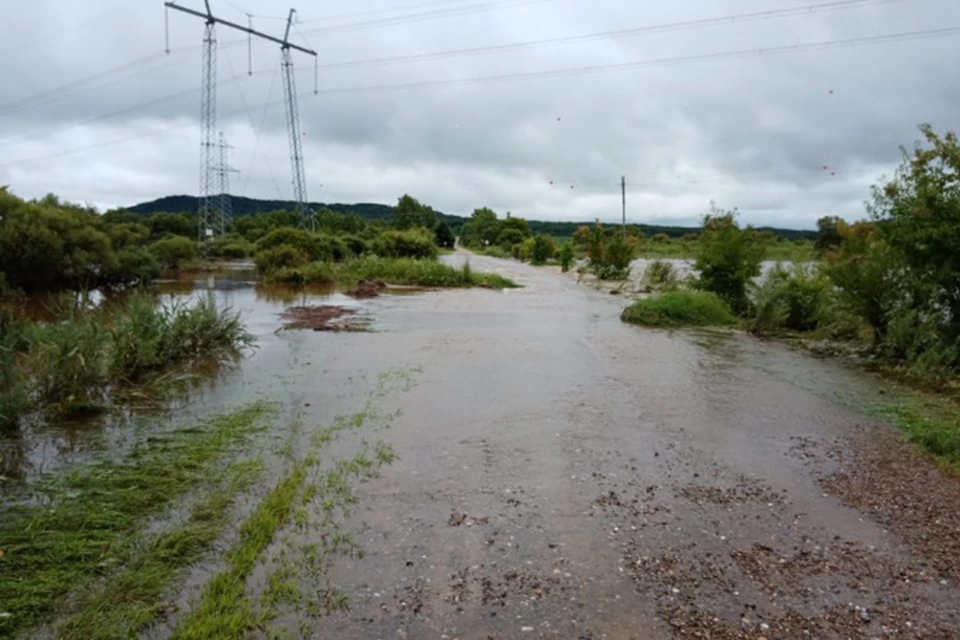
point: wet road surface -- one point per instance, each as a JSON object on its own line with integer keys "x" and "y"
{"x": 563, "y": 475}
{"x": 560, "y": 474}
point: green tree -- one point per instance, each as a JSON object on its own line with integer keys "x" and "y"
{"x": 444, "y": 235}
{"x": 176, "y": 224}
{"x": 918, "y": 216}
{"x": 729, "y": 258}
{"x": 544, "y": 248}
{"x": 411, "y": 213}
{"x": 482, "y": 229}
{"x": 828, "y": 233}
{"x": 173, "y": 251}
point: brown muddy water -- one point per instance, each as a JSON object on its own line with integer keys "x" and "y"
{"x": 560, "y": 474}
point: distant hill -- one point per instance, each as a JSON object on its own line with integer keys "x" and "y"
{"x": 374, "y": 211}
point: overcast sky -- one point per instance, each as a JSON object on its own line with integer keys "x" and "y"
{"x": 92, "y": 110}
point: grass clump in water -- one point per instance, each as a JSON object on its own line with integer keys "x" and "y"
{"x": 400, "y": 271}
{"x": 86, "y": 524}
{"x": 681, "y": 308}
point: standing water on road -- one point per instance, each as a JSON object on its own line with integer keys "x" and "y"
{"x": 548, "y": 472}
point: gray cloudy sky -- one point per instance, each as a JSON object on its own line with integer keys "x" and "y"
{"x": 91, "y": 108}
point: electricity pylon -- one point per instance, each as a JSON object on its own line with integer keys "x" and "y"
{"x": 208, "y": 115}
{"x": 223, "y": 170}
{"x": 307, "y": 218}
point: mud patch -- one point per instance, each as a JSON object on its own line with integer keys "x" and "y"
{"x": 368, "y": 289}
{"x": 740, "y": 494}
{"x": 324, "y": 317}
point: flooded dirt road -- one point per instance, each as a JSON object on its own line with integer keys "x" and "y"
{"x": 563, "y": 475}
{"x": 559, "y": 474}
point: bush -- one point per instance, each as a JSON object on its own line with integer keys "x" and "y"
{"x": 660, "y": 273}
{"x": 172, "y": 252}
{"x": 795, "y": 299}
{"x": 443, "y": 235}
{"x": 680, "y": 308}
{"x": 616, "y": 255}
{"x": 281, "y": 256}
{"x": 357, "y": 245}
{"x": 13, "y": 392}
{"x": 411, "y": 243}
{"x": 729, "y": 258}
{"x": 544, "y": 248}
{"x": 496, "y": 251}
{"x": 566, "y": 256}
{"x": 315, "y": 246}
{"x": 232, "y": 246}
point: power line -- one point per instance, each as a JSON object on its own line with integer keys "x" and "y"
{"x": 619, "y": 33}
{"x": 737, "y": 54}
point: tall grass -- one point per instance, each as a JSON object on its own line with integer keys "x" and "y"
{"x": 680, "y": 308}
{"x": 71, "y": 364}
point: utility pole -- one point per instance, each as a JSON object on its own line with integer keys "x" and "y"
{"x": 208, "y": 109}
{"x": 223, "y": 171}
{"x": 623, "y": 198}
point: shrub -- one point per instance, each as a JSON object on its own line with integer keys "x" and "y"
{"x": 660, "y": 273}
{"x": 279, "y": 257}
{"x": 795, "y": 299}
{"x": 13, "y": 391}
{"x": 678, "y": 309}
{"x": 301, "y": 240}
{"x": 173, "y": 251}
{"x": 566, "y": 256}
{"x": 544, "y": 248}
{"x": 232, "y": 246}
{"x": 443, "y": 235}
{"x": 411, "y": 243}
{"x": 357, "y": 245}
{"x": 616, "y": 255}
{"x": 496, "y": 251}
{"x": 729, "y": 258}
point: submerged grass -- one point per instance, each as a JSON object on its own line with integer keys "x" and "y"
{"x": 85, "y": 525}
{"x": 134, "y": 598}
{"x": 402, "y": 271}
{"x": 680, "y": 308}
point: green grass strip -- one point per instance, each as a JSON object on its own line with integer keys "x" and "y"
{"x": 224, "y": 610}
{"x": 680, "y": 308}
{"x": 96, "y": 513}
{"x": 135, "y": 597}
{"x": 934, "y": 426}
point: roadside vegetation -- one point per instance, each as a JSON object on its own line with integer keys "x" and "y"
{"x": 885, "y": 288}
{"x": 680, "y": 308}
{"x": 82, "y": 359}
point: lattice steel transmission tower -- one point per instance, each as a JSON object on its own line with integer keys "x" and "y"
{"x": 307, "y": 217}
{"x": 223, "y": 171}
{"x": 210, "y": 204}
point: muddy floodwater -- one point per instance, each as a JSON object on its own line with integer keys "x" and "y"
{"x": 560, "y": 474}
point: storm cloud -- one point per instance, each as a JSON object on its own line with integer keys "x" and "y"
{"x": 727, "y": 111}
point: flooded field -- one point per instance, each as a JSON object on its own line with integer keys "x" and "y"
{"x": 543, "y": 470}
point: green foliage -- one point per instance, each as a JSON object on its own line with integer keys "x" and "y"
{"x": 680, "y": 308}
{"x": 172, "y": 252}
{"x": 13, "y": 391}
{"x": 544, "y": 248}
{"x": 281, "y": 256}
{"x": 609, "y": 253}
{"x": 356, "y": 245}
{"x": 481, "y": 230}
{"x": 729, "y": 258}
{"x": 231, "y": 246}
{"x": 176, "y": 224}
{"x": 412, "y": 243}
{"x": 828, "y": 233}
{"x": 796, "y": 299}
{"x": 71, "y": 364}
{"x": 918, "y": 215}
{"x": 660, "y": 273}
{"x": 87, "y": 522}
{"x": 444, "y": 235}
{"x": 402, "y": 271}
{"x": 566, "y": 256}
{"x": 936, "y": 429}
{"x": 412, "y": 214}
